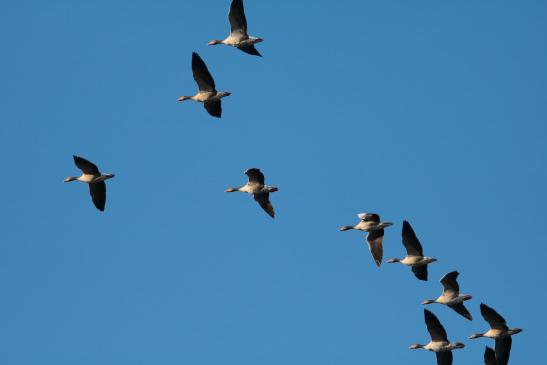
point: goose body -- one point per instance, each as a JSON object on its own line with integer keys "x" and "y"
{"x": 370, "y": 223}
{"x": 439, "y": 343}
{"x": 255, "y": 186}
{"x": 451, "y": 296}
{"x": 207, "y": 93}
{"x": 415, "y": 257}
{"x": 239, "y": 38}
{"x": 93, "y": 177}
{"x": 499, "y": 331}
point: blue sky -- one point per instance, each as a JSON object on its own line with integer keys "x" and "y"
{"x": 428, "y": 111}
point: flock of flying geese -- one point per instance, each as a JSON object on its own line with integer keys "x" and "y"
{"x": 451, "y": 297}
{"x": 368, "y": 222}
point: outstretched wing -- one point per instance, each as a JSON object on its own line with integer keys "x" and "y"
{"x": 489, "y": 356}
{"x": 86, "y": 166}
{"x": 461, "y": 310}
{"x": 250, "y": 49}
{"x": 494, "y": 319}
{"x": 375, "y": 239}
{"x": 410, "y": 241}
{"x": 263, "y": 200}
{"x": 420, "y": 271}
{"x": 434, "y": 327}
{"x": 255, "y": 176}
{"x": 201, "y": 74}
{"x": 503, "y": 350}
{"x": 450, "y": 284}
{"x": 236, "y": 17}
{"x": 98, "y": 194}
{"x": 213, "y": 107}
{"x": 444, "y": 358}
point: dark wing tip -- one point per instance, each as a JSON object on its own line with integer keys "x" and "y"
{"x": 250, "y": 50}
{"x": 428, "y": 314}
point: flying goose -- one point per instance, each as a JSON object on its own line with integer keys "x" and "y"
{"x": 255, "y": 187}
{"x": 238, "y": 37}
{"x": 370, "y": 223}
{"x": 414, "y": 257}
{"x": 95, "y": 180}
{"x": 451, "y": 295}
{"x": 207, "y": 93}
{"x": 499, "y": 332}
{"x": 489, "y": 356}
{"x": 439, "y": 340}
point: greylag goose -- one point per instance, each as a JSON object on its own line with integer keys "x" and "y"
{"x": 439, "y": 340}
{"x": 499, "y": 331}
{"x": 255, "y": 186}
{"x": 238, "y": 37}
{"x": 414, "y": 253}
{"x": 370, "y": 223}
{"x": 489, "y": 356}
{"x": 92, "y": 176}
{"x": 451, "y": 296}
{"x": 207, "y": 94}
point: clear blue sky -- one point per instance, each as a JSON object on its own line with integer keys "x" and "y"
{"x": 429, "y": 111}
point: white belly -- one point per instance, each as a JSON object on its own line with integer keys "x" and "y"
{"x": 87, "y": 178}
{"x": 437, "y": 346}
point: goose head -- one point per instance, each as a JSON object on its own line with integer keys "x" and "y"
{"x": 214, "y": 42}
{"x": 415, "y": 346}
{"x": 428, "y": 301}
{"x": 182, "y": 98}
{"x": 457, "y": 345}
{"x": 231, "y": 190}
{"x": 346, "y": 228}
{"x": 391, "y": 261}
{"x": 70, "y": 178}
{"x": 271, "y": 189}
{"x": 223, "y": 94}
{"x": 476, "y": 335}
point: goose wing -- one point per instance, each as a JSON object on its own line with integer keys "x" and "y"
{"x": 434, "y": 327}
{"x": 255, "y": 176}
{"x": 420, "y": 271}
{"x": 494, "y": 319}
{"x": 98, "y": 194}
{"x": 236, "y": 16}
{"x": 201, "y": 74}
{"x": 410, "y": 241}
{"x": 374, "y": 240}
{"x": 213, "y": 107}
{"x": 461, "y": 310}
{"x": 444, "y": 358}
{"x": 369, "y": 217}
{"x": 503, "y": 350}
{"x": 450, "y": 284}
{"x": 263, "y": 199}
{"x": 489, "y": 356}
{"x": 87, "y": 167}
{"x": 250, "y": 49}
